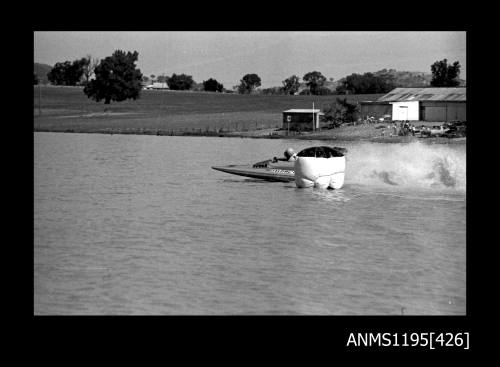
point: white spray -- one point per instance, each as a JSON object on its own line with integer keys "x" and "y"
{"x": 407, "y": 165}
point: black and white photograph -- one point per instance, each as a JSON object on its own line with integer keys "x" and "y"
{"x": 249, "y": 173}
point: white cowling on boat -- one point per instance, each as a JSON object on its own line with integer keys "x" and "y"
{"x": 322, "y": 167}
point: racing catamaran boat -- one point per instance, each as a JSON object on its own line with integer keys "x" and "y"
{"x": 320, "y": 166}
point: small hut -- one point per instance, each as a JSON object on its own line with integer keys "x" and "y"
{"x": 302, "y": 119}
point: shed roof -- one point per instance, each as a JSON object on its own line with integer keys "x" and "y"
{"x": 303, "y": 110}
{"x": 425, "y": 94}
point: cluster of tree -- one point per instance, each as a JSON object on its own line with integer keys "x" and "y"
{"x": 341, "y": 111}
{"x": 321, "y": 91}
{"x": 66, "y": 73}
{"x": 35, "y": 80}
{"x": 180, "y": 82}
{"x": 444, "y": 75}
{"x": 162, "y": 78}
{"x": 117, "y": 78}
{"x": 291, "y": 84}
{"x": 212, "y": 85}
{"x": 185, "y": 82}
{"x": 272, "y": 91}
{"x": 368, "y": 83}
{"x": 248, "y": 84}
{"x": 383, "y": 81}
{"x": 77, "y": 72}
{"x": 315, "y": 82}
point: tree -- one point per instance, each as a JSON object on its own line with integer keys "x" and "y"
{"x": 116, "y": 78}
{"x": 444, "y": 75}
{"x": 212, "y": 85}
{"x": 249, "y": 83}
{"x": 273, "y": 91}
{"x": 368, "y": 83}
{"x": 291, "y": 85}
{"x": 323, "y": 91}
{"x": 57, "y": 75}
{"x": 67, "y": 72}
{"x": 341, "y": 112}
{"x": 152, "y": 78}
{"x": 162, "y": 78}
{"x": 241, "y": 88}
{"x": 180, "y": 82}
{"x": 89, "y": 64}
{"x": 74, "y": 73}
{"x": 35, "y": 79}
{"x": 314, "y": 80}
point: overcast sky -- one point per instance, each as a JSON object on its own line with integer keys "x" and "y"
{"x": 274, "y": 56}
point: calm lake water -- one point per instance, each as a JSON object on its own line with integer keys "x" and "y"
{"x": 127, "y": 224}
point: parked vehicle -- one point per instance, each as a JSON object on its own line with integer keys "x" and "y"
{"x": 385, "y": 118}
{"x": 456, "y": 129}
{"x": 418, "y": 129}
{"x": 437, "y": 130}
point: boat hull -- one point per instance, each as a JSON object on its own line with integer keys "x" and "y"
{"x": 320, "y": 172}
{"x": 279, "y": 174}
{"x": 318, "y": 166}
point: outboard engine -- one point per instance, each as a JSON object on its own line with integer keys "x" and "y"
{"x": 320, "y": 167}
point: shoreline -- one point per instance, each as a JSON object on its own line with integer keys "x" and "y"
{"x": 325, "y": 135}
{"x": 200, "y": 114}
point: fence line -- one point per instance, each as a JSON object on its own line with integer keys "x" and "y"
{"x": 214, "y": 129}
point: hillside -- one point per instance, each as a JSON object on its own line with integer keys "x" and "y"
{"x": 406, "y": 79}
{"x": 41, "y": 71}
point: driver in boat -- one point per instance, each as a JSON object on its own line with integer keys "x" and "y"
{"x": 290, "y": 156}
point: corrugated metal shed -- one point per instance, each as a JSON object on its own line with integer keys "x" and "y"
{"x": 425, "y": 94}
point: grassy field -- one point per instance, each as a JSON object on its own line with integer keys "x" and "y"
{"x": 68, "y": 109}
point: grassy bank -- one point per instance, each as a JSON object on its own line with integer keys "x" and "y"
{"x": 67, "y": 109}
{"x": 375, "y": 133}
{"x": 167, "y": 112}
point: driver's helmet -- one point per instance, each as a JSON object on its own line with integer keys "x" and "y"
{"x": 289, "y": 153}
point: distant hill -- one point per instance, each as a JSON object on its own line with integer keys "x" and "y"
{"x": 41, "y": 71}
{"x": 332, "y": 85}
{"x": 408, "y": 79}
{"x": 403, "y": 79}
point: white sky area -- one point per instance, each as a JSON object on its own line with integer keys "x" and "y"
{"x": 274, "y": 56}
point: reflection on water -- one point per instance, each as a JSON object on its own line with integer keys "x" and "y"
{"x": 143, "y": 225}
